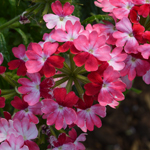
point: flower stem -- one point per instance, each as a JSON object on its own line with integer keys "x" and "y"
{"x": 66, "y": 66}
{"x": 77, "y": 70}
{"x": 11, "y": 95}
{"x": 7, "y": 91}
{"x": 61, "y": 81}
{"x": 64, "y": 70}
{"x": 69, "y": 85}
{"x": 7, "y": 24}
{"x": 72, "y": 64}
{"x": 78, "y": 87}
{"x": 52, "y": 131}
{"x": 9, "y": 80}
{"x": 59, "y": 75}
{"x": 83, "y": 79}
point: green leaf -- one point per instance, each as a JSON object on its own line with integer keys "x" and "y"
{"x": 13, "y": 6}
{"x": 97, "y": 18}
{"x": 3, "y": 48}
{"x": 136, "y": 90}
{"x": 23, "y": 35}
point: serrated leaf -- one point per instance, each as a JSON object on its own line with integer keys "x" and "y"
{"x": 23, "y": 35}
{"x": 136, "y": 90}
{"x": 3, "y": 48}
{"x": 97, "y": 18}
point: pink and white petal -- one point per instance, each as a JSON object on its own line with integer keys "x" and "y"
{"x": 25, "y": 81}
{"x": 51, "y": 20}
{"x": 51, "y": 119}
{"x": 6, "y": 146}
{"x": 89, "y": 122}
{"x": 99, "y": 110}
{"x": 32, "y": 98}
{"x": 81, "y": 43}
{"x": 146, "y": 77}
{"x": 59, "y": 121}
{"x": 19, "y": 51}
{"x": 131, "y": 46}
{"x": 70, "y": 115}
{"x": 103, "y": 53}
{"x": 124, "y": 25}
{"x": 104, "y": 97}
{"x": 60, "y": 36}
{"x": 131, "y": 73}
{"x": 35, "y": 77}
{"x": 32, "y": 55}
{"x": 37, "y": 48}
{"x": 50, "y": 48}
{"x": 33, "y": 66}
{"x": 49, "y": 106}
{"x": 96, "y": 120}
{"x": 24, "y": 89}
{"x": 80, "y": 118}
{"x": 93, "y": 38}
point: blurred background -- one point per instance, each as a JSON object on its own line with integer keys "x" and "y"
{"x": 125, "y": 128}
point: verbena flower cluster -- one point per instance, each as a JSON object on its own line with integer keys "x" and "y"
{"x": 74, "y": 73}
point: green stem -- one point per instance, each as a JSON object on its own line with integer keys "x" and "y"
{"x": 9, "y": 80}
{"x": 78, "y": 69}
{"x": 28, "y": 11}
{"x": 62, "y": 131}
{"x": 11, "y": 95}
{"x": 64, "y": 70}
{"x": 61, "y": 81}
{"x": 52, "y": 131}
{"x": 72, "y": 64}
{"x": 82, "y": 71}
{"x": 66, "y": 66}
{"x": 59, "y": 75}
{"x": 78, "y": 87}
{"x": 69, "y": 85}
{"x": 7, "y": 91}
{"x": 82, "y": 78}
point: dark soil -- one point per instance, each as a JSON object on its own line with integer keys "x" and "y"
{"x": 126, "y": 127}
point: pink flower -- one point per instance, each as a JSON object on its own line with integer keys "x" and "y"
{"x": 87, "y": 115}
{"x": 31, "y": 89}
{"x": 63, "y": 14}
{"x": 134, "y": 66}
{"x": 146, "y": 77}
{"x": 25, "y": 128}
{"x": 47, "y": 38}
{"x": 72, "y": 32}
{"x": 14, "y": 143}
{"x": 92, "y": 50}
{"x": 122, "y": 9}
{"x": 2, "y": 68}
{"x": 42, "y": 60}
{"x": 117, "y": 58}
{"x": 105, "y": 5}
{"x": 145, "y": 50}
{"x": 19, "y": 52}
{"x": 61, "y": 143}
{"x": 26, "y": 110}
{"x": 4, "y": 128}
{"x": 125, "y": 36}
{"x": 76, "y": 140}
{"x": 109, "y": 89}
{"x": 60, "y": 112}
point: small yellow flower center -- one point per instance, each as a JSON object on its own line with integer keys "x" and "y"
{"x": 91, "y": 51}
{"x": 61, "y": 18}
